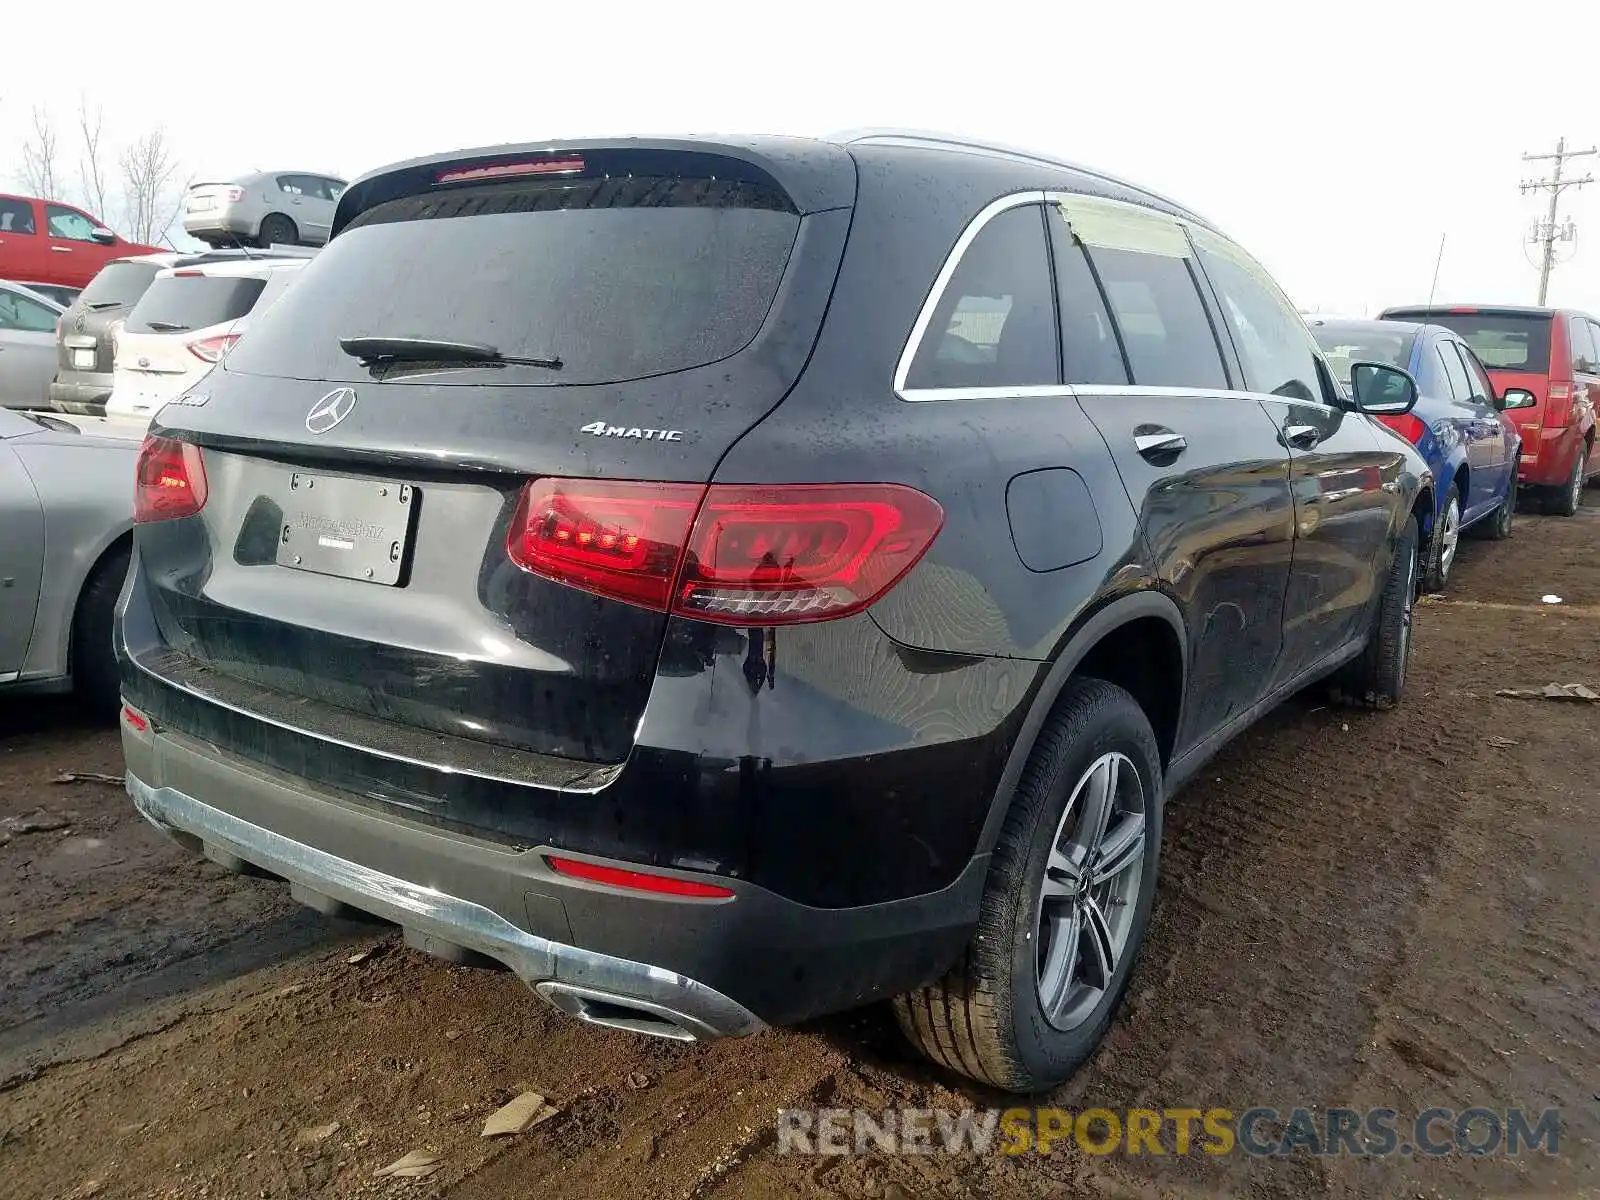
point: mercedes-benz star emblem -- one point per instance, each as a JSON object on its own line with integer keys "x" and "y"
{"x": 331, "y": 409}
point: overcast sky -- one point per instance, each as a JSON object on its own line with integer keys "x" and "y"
{"x": 1338, "y": 147}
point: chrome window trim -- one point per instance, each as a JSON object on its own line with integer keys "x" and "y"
{"x": 930, "y": 305}
{"x": 941, "y": 282}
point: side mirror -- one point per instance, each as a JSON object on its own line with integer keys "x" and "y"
{"x": 1517, "y": 398}
{"x": 1381, "y": 389}
{"x": 103, "y": 236}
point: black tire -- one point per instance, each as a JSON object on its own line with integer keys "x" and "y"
{"x": 1565, "y": 500}
{"x": 1498, "y": 527}
{"x": 985, "y": 1018}
{"x": 1445, "y": 543}
{"x": 277, "y": 230}
{"x": 94, "y": 662}
{"x": 1376, "y": 678}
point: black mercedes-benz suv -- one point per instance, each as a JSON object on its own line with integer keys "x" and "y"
{"x": 730, "y": 581}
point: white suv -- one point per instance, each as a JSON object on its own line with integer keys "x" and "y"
{"x": 184, "y": 323}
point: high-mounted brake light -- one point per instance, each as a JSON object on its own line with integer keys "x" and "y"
{"x": 511, "y": 170}
{"x": 188, "y": 273}
{"x": 169, "y": 480}
{"x": 1407, "y": 426}
{"x": 736, "y": 554}
{"x": 638, "y": 881}
{"x": 213, "y": 348}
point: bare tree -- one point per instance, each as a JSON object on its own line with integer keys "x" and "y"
{"x": 39, "y": 157}
{"x": 91, "y": 164}
{"x": 149, "y": 174}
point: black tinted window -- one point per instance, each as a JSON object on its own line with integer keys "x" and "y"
{"x": 16, "y": 216}
{"x": 1161, "y": 318}
{"x": 118, "y": 284}
{"x": 175, "y": 303}
{"x": 620, "y": 279}
{"x": 1089, "y": 349}
{"x": 1502, "y": 341}
{"x": 996, "y": 321}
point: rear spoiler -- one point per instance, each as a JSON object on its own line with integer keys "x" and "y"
{"x": 814, "y": 175}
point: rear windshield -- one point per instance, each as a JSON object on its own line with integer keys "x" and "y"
{"x": 119, "y": 284}
{"x": 1503, "y": 341}
{"x": 181, "y": 302}
{"x": 1342, "y": 347}
{"x": 617, "y": 278}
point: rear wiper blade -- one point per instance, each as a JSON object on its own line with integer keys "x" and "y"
{"x": 434, "y": 350}
{"x": 97, "y": 305}
{"x": 167, "y": 326}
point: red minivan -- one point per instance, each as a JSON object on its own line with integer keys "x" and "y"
{"x": 1545, "y": 362}
{"x": 46, "y": 241}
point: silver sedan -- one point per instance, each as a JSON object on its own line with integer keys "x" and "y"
{"x": 27, "y": 346}
{"x": 66, "y": 520}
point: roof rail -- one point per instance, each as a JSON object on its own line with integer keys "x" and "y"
{"x": 930, "y": 139}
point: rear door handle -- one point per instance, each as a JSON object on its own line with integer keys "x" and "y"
{"x": 61, "y": 249}
{"x": 1160, "y": 442}
{"x": 1302, "y": 437}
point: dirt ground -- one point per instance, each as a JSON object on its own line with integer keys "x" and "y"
{"x": 1356, "y": 909}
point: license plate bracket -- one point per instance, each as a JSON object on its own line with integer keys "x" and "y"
{"x": 351, "y": 528}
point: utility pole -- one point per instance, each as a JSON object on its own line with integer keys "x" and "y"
{"x": 1547, "y": 233}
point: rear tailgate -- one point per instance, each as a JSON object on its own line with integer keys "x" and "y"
{"x": 348, "y": 576}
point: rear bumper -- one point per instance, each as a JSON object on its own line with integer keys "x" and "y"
{"x": 662, "y": 965}
{"x": 83, "y": 392}
{"x": 1547, "y": 456}
{"x": 219, "y": 221}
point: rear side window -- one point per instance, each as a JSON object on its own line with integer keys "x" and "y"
{"x": 1477, "y": 380}
{"x": 996, "y": 322}
{"x": 1090, "y": 351}
{"x": 118, "y": 284}
{"x": 176, "y": 303}
{"x": 1454, "y": 373}
{"x": 16, "y": 216}
{"x": 1583, "y": 351}
{"x": 1162, "y": 320}
{"x": 1502, "y": 341}
{"x": 618, "y": 278}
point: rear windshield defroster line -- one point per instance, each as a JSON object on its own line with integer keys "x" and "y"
{"x": 184, "y": 302}
{"x": 618, "y": 278}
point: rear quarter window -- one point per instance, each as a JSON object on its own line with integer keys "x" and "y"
{"x": 618, "y": 278}
{"x": 179, "y": 303}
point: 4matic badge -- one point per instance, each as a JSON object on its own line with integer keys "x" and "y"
{"x": 601, "y": 429}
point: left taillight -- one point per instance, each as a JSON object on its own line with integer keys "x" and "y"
{"x": 734, "y": 554}
{"x": 1407, "y": 426}
{"x": 170, "y": 480}
{"x": 212, "y": 349}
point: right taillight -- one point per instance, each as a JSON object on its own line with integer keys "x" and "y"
{"x": 233, "y": 195}
{"x": 170, "y": 480}
{"x": 1407, "y": 426}
{"x": 735, "y": 554}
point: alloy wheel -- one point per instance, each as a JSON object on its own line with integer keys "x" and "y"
{"x": 1091, "y": 887}
{"x": 1449, "y": 536}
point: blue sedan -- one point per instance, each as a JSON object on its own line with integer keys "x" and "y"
{"x": 1471, "y": 446}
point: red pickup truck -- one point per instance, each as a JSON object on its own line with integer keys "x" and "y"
{"x": 48, "y": 242}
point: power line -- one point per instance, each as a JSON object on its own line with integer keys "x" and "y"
{"x": 1548, "y": 232}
